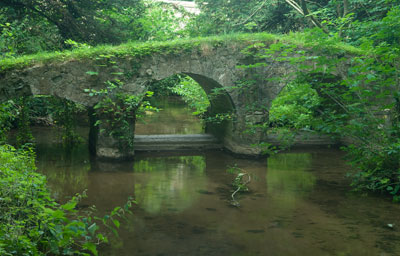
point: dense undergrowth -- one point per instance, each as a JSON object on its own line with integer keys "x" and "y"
{"x": 33, "y": 223}
{"x": 361, "y": 107}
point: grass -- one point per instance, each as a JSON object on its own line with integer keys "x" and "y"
{"x": 140, "y": 49}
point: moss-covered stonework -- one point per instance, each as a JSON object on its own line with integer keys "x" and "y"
{"x": 213, "y": 62}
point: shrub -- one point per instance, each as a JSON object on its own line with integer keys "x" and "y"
{"x": 32, "y": 223}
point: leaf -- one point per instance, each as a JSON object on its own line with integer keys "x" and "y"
{"x": 105, "y": 218}
{"x": 115, "y": 211}
{"x": 92, "y": 73}
{"x": 69, "y": 206}
{"x": 91, "y": 247}
{"x": 116, "y": 223}
{"x": 102, "y": 238}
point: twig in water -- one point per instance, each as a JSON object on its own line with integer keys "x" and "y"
{"x": 240, "y": 186}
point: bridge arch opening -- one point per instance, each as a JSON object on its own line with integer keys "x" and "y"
{"x": 299, "y": 115}
{"x": 29, "y": 114}
{"x": 187, "y": 111}
{"x": 177, "y": 105}
{"x": 208, "y": 100}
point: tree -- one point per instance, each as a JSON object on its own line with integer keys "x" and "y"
{"x": 86, "y": 21}
{"x": 282, "y": 16}
{"x": 225, "y": 16}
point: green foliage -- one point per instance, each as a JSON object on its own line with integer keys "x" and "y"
{"x": 25, "y": 35}
{"x": 363, "y": 18}
{"x": 85, "y": 21}
{"x": 48, "y": 110}
{"x": 362, "y": 107}
{"x": 28, "y": 27}
{"x": 349, "y": 19}
{"x": 295, "y": 107}
{"x": 138, "y": 50}
{"x": 32, "y": 223}
{"x": 193, "y": 94}
{"x": 218, "y": 118}
{"x": 75, "y": 45}
{"x": 163, "y": 87}
{"x": 24, "y": 135}
{"x": 227, "y": 16}
{"x": 163, "y": 21}
{"x": 389, "y": 28}
{"x": 374, "y": 124}
{"x": 65, "y": 114}
{"x": 187, "y": 88}
{"x": 7, "y": 114}
{"x": 116, "y": 111}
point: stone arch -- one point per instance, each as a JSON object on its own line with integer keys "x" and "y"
{"x": 220, "y": 103}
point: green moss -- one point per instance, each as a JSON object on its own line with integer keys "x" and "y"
{"x": 137, "y": 49}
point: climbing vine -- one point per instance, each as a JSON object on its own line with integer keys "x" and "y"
{"x": 65, "y": 115}
{"x": 24, "y": 135}
{"x": 8, "y": 113}
{"x": 116, "y": 112}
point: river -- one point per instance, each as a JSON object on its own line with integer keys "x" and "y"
{"x": 299, "y": 203}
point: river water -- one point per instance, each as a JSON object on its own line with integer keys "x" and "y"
{"x": 174, "y": 117}
{"x": 299, "y": 203}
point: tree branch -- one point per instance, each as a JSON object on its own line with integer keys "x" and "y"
{"x": 345, "y": 7}
{"x": 311, "y": 17}
{"x": 254, "y": 13}
{"x": 295, "y": 6}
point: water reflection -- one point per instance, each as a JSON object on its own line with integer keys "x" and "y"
{"x": 298, "y": 204}
{"x": 289, "y": 177}
{"x": 162, "y": 182}
{"x": 67, "y": 171}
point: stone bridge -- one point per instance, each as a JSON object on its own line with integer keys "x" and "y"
{"x": 212, "y": 62}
